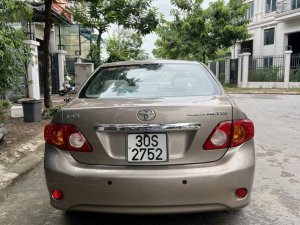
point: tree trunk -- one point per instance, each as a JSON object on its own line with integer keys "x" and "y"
{"x": 26, "y": 83}
{"x": 47, "y": 59}
{"x": 99, "y": 39}
{"x": 204, "y": 56}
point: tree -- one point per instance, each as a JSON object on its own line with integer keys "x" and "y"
{"x": 14, "y": 53}
{"x": 47, "y": 56}
{"x": 171, "y": 43}
{"x": 198, "y": 33}
{"x": 49, "y": 21}
{"x": 101, "y": 14}
{"x": 125, "y": 45}
{"x": 228, "y": 24}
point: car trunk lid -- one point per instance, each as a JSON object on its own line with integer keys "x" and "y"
{"x": 186, "y": 121}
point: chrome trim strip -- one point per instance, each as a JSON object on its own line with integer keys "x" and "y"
{"x": 146, "y": 127}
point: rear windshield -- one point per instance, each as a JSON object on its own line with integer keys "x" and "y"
{"x": 150, "y": 80}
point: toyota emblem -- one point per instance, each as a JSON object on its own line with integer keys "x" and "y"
{"x": 146, "y": 115}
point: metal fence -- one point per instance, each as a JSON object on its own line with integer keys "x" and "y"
{"x": 222, "y": 71}
{"x": 213, "y": 67}
{"x": 87, "y": 61}
{"x": 295, "y": 68}
{"x": 234, "y": 64}
{"x": 70, "y": 66}
{"x": 267, "y": 68}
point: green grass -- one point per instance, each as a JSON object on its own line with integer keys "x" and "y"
{"x": 4, "y": 106}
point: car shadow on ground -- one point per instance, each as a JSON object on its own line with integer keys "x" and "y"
{"x": 230, "y": 217}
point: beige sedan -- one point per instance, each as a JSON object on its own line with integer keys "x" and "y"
{"x": 150, "y": 137}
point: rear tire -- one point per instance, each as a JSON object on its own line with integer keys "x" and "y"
{"x": 62, "y": 92}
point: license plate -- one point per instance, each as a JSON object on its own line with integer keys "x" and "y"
{"x": 147, "y": 148}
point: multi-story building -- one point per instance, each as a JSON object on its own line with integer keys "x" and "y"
{"x": 275, "y": 27}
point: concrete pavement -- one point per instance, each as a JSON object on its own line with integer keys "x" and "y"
{"x": 21, "y": 161}
{"x": 26, "y": 157}
{"x": 275, "y": 196}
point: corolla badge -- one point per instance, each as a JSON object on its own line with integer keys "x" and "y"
{"x": 146, "y": 115}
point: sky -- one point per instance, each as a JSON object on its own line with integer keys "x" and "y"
{"x": 164, "y": 7}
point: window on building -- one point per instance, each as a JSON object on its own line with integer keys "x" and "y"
{"x": 270, "y": 5}
{"x": 295, "y": 4}
{"x": 249, "y": 12}
{"x": 268, "y": 61}
{"x": 269, "y": 36}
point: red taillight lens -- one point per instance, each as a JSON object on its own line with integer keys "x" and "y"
{"x": 230, "y": 134}
{"x": 241, "y": 192}
{"x": 57, "y": 194}
{"x": 66, "y": 137}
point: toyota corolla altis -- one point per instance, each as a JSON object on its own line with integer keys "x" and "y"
{"x": 150, "y": 137}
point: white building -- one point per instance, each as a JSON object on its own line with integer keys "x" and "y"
{"x": 275, "y": 27}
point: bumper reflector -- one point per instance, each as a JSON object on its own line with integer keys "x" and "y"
{"x": 57, "y": 194}
{"x": 241, "y": 192}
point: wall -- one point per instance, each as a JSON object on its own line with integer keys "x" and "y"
{"x": 82, "y": 72}
{"x": 272, "y": 85}
{"x": 261, "y": 21}
{"x": 38, "y": 29}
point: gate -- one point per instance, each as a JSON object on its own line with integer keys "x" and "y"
{"x": 54, "y": 73}
{"x": 234, "y": 65}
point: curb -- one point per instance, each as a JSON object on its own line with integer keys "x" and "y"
{"x": 263, "y": 92}
{"x": 25, "y": 159}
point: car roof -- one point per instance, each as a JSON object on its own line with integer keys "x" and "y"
{"x": 139, "y": 62}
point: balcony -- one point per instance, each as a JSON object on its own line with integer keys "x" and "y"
{"x": 288, "y": 10}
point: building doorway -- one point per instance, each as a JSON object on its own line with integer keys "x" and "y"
{"x": 294, "y": 42}
{"x": 247, "y": 46}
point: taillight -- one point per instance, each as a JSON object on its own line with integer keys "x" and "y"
{"x": 220, "y": 137}
{"x": 230, "y": 134}
{"x": 243, "y": 130}
{"x": 66, "y": 137}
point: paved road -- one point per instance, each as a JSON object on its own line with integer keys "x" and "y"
{"x": 275, "y": 198}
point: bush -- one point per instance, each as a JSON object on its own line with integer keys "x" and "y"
{"x": 4, "y": 106}
{"x": 222, "y": 78}
{"x": 265, "y": 74}
{"x": 51, "y": 112}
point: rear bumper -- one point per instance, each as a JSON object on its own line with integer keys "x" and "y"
{"x": 157, "y": 189}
